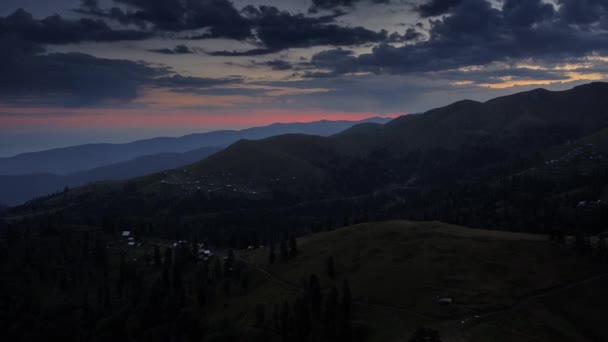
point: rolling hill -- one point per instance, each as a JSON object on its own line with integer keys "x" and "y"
{"x": 454, "y": 142}
{"x": 398, "y": 269}
{"x": 21, "y": 188}
{"x": 68, "y": 160}
{"x": 464, "y": 163}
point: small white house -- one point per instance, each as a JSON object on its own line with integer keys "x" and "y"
{"x": 444, "y": 301}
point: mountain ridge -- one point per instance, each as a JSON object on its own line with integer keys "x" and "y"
{"x": 66, "y": 160}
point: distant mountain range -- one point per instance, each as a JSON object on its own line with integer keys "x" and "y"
{"x": 72, "y": 159}
{"x": 449, "y": 143}
{"x": 20, "y": 188}
{"x": 29, "y": 175}
{"x": 467, "y": 142}
{"x": 535, "y": 161}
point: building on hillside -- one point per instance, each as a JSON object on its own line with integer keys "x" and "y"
{"x": 445, "y": 301}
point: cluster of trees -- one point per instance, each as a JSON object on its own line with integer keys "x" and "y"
{"x": 525, "y": 203}
{"x": 288, "y": 249}
{"x": 315, "y": 315}
{"x": 74, "y": 283}
{"x": 425, "y": 335}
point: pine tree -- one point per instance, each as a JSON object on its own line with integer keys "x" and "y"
{"x": 316, "y": 296}
{"x": 346, "y": 298}
{"x": 285, "y": 322}
{"x": 230, "y": 261}
{"x": 177, "y": 276}
{"x": 157, "y": 258}
{"x": 283, "y": 250}
{"x": 168, "y": 256}
{"x": 330, "y": 313}
{"x": 165, "y": 280}
{"x": 331, "y": 271}
{"x": 260, "y": 314}
{"x": 425, "y": 335}
{"x": 121, "y": 275}
{"x": 293, "y": 247}
{"x": 217, "y": 270}
{"x": 271, "y": 254}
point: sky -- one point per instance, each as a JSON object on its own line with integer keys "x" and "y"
{"x": 82, "y": 71}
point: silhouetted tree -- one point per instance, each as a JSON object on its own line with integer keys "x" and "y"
{"x": 425, "y": 335}
{"x": 260, "y": 314}
{"x": 271, "y": 254}
{"x": 283, "y": 250}
{"x": 330, "y": 313}
{"x": 316, "y": 296}
{"x": 157, "y": 257}
{"x": 346, "y": 298}
{"x": 293, "y": 247}
{"x": 331, "y": 271}
{"x": 217, "y": 270}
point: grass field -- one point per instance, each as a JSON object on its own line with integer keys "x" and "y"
{"x": 500, "y": 282}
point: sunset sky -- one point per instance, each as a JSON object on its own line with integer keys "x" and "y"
{"x": 76, "y": 71}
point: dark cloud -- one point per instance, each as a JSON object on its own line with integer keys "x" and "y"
{"x": 409, "y": 35}
{"x": 494, "y": 75}
{"x": 434, "y": 8}
{"x": 526, "y": 12}
{"x": 225, "y": 91}
{"x": 219, "y": 17}
{"x": 57, "y": 30}
{"x": 178, "y": 81}
{"x": 584, "y": 12}
{"x": 279, "y": 30}
{"x": 475, "y": 33}
{"x": 32, "y": 76}
{"x": 333, "y": 4}
{"x": 71, "y": 79}
{"x": 235, "y": 53}
{"x": 278, "y": 64}
{"x": 177, "y": 50}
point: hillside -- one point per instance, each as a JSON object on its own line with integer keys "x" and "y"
{"x": 73, "y": 159}
{"x": 21, "y": 188}
{"x": 465, "y": 163}
{"x": 445, "y": 144}
{"x": 503, "y": 286}
{"x": 398, "y": 269}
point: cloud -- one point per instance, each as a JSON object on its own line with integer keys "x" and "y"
{"x": 409, "y": 35}
{"x": 278, "y": 30}
{"x": 219, "y": 17}
{"x": 177, "y": 50}
{"x": 178, "y": 81}
{"x": 278, "y": 64}
{"x": 434, "y": 8}
{"x": 584, "y": 12}
{"x": 526, "y": 12}
{"x": 71, "y": 79}
{"x": 333, "y": 4}
{"x": 476, "y": 33}
{"x": 32, "y": 76}
{"x": 57, "y": 30}
{"x": 251, "y": 52}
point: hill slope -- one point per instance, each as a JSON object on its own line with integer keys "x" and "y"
{"x": 20, "y": 188}
{"x": 84, "y": 157}
{"x": 398, "y": 269}
{"x": 449, "y": 143}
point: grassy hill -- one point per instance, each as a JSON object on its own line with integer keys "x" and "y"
{"x": 398, "y": 269}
